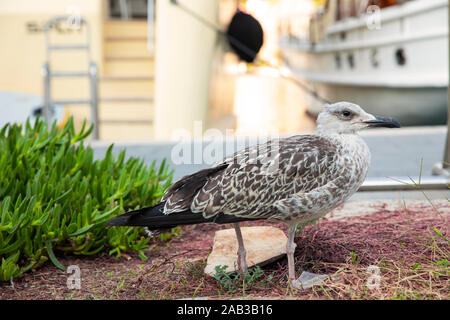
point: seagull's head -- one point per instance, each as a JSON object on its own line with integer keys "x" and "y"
{"x": 346, "y": 117}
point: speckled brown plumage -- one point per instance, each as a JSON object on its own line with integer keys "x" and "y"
{"x": 292, "y": 179}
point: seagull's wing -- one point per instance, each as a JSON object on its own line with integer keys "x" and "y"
{"x": 248, "y": 183}
{"x": 179, "y": 196}
{"x": 255, "y": 183}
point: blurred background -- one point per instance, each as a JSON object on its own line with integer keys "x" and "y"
{"x": 154, "y": 60}
{"x": 152, "y": 70}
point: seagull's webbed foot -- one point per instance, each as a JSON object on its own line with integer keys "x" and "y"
{"x": 306, "y": 279}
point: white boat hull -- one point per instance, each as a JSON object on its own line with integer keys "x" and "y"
{"x": 399, "y": 70}
{"x": 417, "y": 106}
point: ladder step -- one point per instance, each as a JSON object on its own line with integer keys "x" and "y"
{"x": 74, "y": 101}
{"x": 125, "y": 58}
{"x": 69, "y": 74}
{"x": 69, "y": 47}
{"x": 127, "y": 99}
{"x": 126, "y": 38}
{"x": 119, "y": 121}
{"x": 127, "y": 78}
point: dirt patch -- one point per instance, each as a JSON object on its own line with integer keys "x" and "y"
{"x": 409, "y": 247}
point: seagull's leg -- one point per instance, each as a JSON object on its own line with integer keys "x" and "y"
{"x": 306, "y": 279}
{"x": 290, "y": 249}
{"x": 242, "y": 263}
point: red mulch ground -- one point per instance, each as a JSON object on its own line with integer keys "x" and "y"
{"x": 403, "y": 243}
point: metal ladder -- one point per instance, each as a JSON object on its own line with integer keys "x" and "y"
{"x": 91, "y": 73}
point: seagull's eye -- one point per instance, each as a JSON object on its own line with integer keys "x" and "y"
{"x": 346, "y": 113}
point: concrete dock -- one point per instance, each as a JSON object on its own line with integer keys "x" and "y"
{"x": 395, "y": 152}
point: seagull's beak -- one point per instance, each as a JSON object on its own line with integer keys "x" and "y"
{"x": 382, "y": 122}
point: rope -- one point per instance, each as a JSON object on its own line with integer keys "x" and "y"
{"x": 245, "y": 48}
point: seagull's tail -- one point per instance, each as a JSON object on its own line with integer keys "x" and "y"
{"x": 153, "y": 218}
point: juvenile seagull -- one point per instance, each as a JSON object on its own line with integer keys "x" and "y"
{"x": 293, "y": 180}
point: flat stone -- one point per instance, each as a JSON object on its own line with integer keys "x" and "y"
{"x": 264, "y": 244}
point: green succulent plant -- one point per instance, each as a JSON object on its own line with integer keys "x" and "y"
{"x": 55, "y": 197}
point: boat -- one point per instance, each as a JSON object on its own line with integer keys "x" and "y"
{"x": 390, "y": 58}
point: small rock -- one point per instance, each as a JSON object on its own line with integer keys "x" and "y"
{"x": 263, "y": 244}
